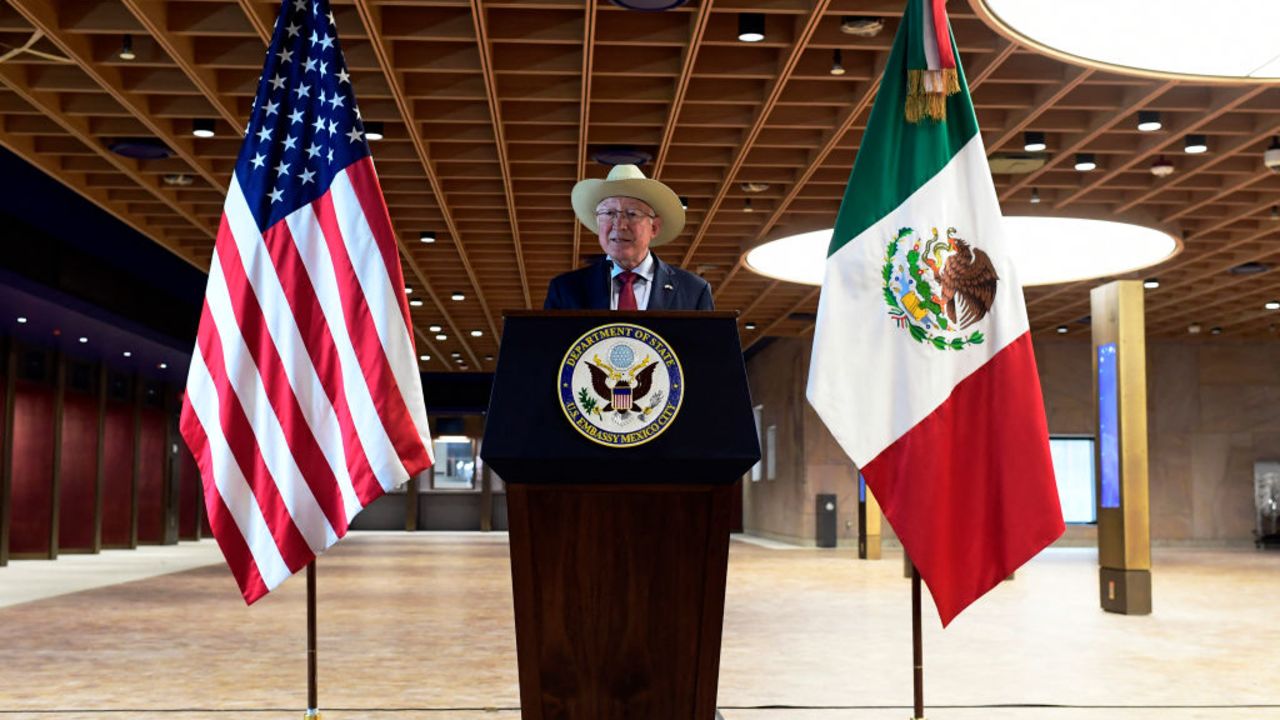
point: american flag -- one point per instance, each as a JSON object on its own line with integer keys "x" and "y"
{"x": 303, "y": 402}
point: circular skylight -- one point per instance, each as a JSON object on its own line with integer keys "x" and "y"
{"x": 1188, "y": 38}
{"x": 1046, "y": 250}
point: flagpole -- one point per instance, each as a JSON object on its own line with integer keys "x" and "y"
{"x": 313, "y": 704}
{"x": 917, "y": 645}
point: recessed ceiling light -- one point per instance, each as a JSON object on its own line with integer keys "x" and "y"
{"x": 476, "y": 333}
{"x": 1193, "y": 329}
{"x": 435, "y": 328}
{"x": 424, "y": 358}
{"x": 373, "y": 130}
{"x": 1195, "y": 145}
{"x": 126, "y": 353}
{"x": 457, "y": 296}
{"x": 750, "y": 27}
{"x": 1033, "y": 141}
{"x": 456, "y": 354}
{"x": 1149, "y": 121}
{"x": 442, "y": 337}
{"x": 83, "y": 339}
{"x": 415, "y": 303}
{"x": 1272, "y": 305}
{"x": 1151, "y": 283}
{"x": 1045, "y": 251}
{"x": 22, "y": 320}
{"x": 202, "y": 128}
{"x": 408, "y": 290}
{"x": 1063, "y": 330}
{"x": 1215, "y": 330}
{"x": 1085, "y": 162}
{"x": 163, "y": 366}
{"x": 1035, "y": 196}
{"x": 684, "y": 203}
{"x": 126, "y": 48}
{"x": 427, "y": 236}
{"x": 488, "y": 358}
{"x": 750, "y": 326}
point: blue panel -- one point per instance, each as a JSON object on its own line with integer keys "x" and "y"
{"x": 1108, "y": 427}
{"x": 862, "y": 488}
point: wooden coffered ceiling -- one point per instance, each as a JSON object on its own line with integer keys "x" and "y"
{"x": 493, "y": 109}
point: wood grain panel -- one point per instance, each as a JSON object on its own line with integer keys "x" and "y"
{"x": 76, "y": 496}
{"x": 117, "y": 483}
{"x": 151, "y": 458}
{"x": 31, "y": 494}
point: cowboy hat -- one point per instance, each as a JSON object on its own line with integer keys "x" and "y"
{"x": 629, "y": 181}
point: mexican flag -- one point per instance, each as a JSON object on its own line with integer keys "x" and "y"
{"x": 922, "y": 363}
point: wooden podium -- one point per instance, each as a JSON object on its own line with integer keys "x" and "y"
{"x": 619, "y": 552}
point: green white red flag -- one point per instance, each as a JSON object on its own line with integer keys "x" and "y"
{"x": 922, "y": 363}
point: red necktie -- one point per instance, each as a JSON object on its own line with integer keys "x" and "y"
{"x": 627, "y": 295}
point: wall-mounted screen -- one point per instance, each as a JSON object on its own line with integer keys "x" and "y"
{"x": 1108, "y": 428}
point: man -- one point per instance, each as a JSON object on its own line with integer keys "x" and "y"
{"x": 629, "y": 213}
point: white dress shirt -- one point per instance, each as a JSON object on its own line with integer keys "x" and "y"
{"x": 640, "y": 286}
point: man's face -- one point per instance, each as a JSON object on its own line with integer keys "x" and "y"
{"x": 627, "y": 226}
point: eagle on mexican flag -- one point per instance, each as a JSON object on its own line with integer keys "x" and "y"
{"x": 922, "y": 363}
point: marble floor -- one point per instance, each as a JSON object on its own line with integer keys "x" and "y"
{"x": 419, "y": 626}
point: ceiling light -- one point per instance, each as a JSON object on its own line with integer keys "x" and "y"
{"x": 415, "y": 303}
{"x": 1161, "y": 167}
{"x": 1271, "y": 157}
{"x": 1233, "y": 39}
{"x": 1193, "y": 329}
{"x": 1272, "y": 305}
{"x": 435, "y": 328}
{"x": 126, "y": 48}
{"x": 202, "y": 127}
{"x": 750, "y": 27}
{"x": 746, "y": 206}
{"x": 442, "y": 337}
{"x": 177, "y": 179}
{"x": 1215, "y": 330}
{"x": 836, "y": 67}
{"x": 373, "y": 130}
{"x": 83, "y": 339}
{"x": 750, "y": 326}
{"x": 477, "y": 333}
{"x": 861, "y": 26}
{"x": 457, "y": 296}
{"x": 1085, "y": 162}
{"x": 1151, "y": 283}
{"x": 1149, "y": 121}
{"x": 1195, "y": 144}
{"x": 1033, "y": 141}
{"x": 424, "y": 358}
{"x": 1035, "y": 196}
{"x": 684, "y": 203}
{"x": 427, "y": 236}
{"x": 126, "y": 353}
{"x": 754, "y": 187}
{"x": 1275, "y": 212}
{"x": 1045, "y": 251}
{"x": 163, "y": 366}
{"x": 1249, "y": 268}
{"x": 22, "y": 320}
{"x": 1063, "y": 330}
{"x": 408, "y": 290}
{"x": 456, "y": 354}
{"x": 488, "y": 358}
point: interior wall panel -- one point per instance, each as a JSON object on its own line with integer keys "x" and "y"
{"x": 117, "y": 481}
{"x": 31, "y": 495}
{"x": 79, "y": 469}
{"x": 151, "y": 460}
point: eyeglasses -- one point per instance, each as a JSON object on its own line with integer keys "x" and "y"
{"x": 631, "y": 216}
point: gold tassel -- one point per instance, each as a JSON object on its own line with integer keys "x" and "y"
{"x": 927, "y": 92}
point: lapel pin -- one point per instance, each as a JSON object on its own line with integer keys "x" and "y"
{"x": 668, "y": 287}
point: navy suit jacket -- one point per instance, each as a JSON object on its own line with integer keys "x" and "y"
{"x": 588, "y": 289}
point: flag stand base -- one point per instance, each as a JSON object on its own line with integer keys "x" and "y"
{"x": 312, "y": 714}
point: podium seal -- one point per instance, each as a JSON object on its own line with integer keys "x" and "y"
{"x": 620, "y": 385}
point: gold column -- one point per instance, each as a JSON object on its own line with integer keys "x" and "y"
{"x": 868, "y": 523}
{"x": 1124, "y": 516}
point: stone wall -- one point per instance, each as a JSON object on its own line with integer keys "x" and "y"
{"x": 1214, "y": 410}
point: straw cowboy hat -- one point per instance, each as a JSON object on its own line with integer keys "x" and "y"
{"x": 629, "y": 181}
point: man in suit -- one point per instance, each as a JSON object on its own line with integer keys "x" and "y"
{"x": 629, "y": 213}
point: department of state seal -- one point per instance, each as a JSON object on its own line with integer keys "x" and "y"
{"x": 620, "y": 385}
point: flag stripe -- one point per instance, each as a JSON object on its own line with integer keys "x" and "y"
{"x": 975, "y": 519}
{"x": 285, "y": 383}
{"x": 274, "y": 442}
{"x": 896, "y": 157}
{"x": 358, "y": 486}
{"x": 364, "y": 331}
{"x": 358, "y": 204}
{"x": 936, "y": 15}
{"x": 234, "y": 424}
{"x": 313, "y": 252}
{"x": 223, "y": 474}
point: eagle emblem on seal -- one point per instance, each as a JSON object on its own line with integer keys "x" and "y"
{"x": 937, "y": 289}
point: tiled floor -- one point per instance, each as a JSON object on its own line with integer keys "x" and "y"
{"x": 419, "y": 626}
